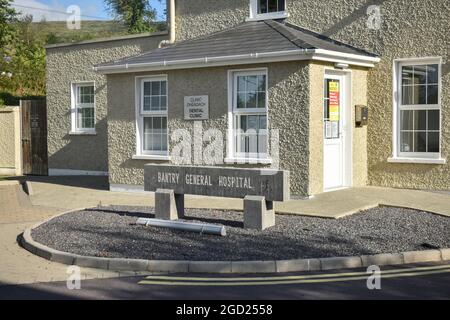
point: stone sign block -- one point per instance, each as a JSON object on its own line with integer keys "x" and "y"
{"x": 219, "y": 181}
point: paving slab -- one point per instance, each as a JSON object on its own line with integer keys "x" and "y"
{"x": 334, "y": 204}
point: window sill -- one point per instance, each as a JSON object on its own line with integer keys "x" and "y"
{"x": 248, "y": 161}
{"x": 151, "y": 157}
{"x": 82, "y": 133}
{"x": 269, "y": 16}
{"x": 417, "y": 160}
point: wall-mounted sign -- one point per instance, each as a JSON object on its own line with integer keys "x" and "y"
{"x": 196, "y": 108}
{"x": 334, "y": 96}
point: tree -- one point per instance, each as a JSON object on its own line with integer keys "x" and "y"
{"x": 7, "y": 18}
{"x": 137, "y": 15}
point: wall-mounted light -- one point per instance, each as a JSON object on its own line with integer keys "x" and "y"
{"x": 340, "y": 65}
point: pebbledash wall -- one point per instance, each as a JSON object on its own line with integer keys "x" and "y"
{"x": 409, "y": 29}
{"x": 10, "y": 141}
{"x": 71, "y": 153}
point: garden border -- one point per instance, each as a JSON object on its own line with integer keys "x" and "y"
{"x": 271, "y": 266}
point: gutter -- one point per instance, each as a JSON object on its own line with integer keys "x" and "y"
{"x": 265, "y": 57}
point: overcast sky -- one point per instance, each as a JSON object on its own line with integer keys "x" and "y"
{"x": 54, "y": 10}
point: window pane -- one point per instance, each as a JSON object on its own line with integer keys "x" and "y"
{"x": 156, "y": 88}
{"x": 163, "y": 103}
{"x": 251, "y": 99}
{"x": 433, "y": 142}
{"x": 252, "y": 122}
{"x": 273, "y": 5}
{"x": 241, "y": 97}
{"x": 281, "y": 5}
{"x": 241, "y": 84}
{"x": 156, "y": 103}
{"x": 163, "y": 88}
{"x": 407, "y": 120}
{"x": 420, "y": 120}
{"x": 261, "y": 100}
{"x": 262, "y": 6}
{"x": 146, "y": 103}
{"x": 433, "y": 70}
{"x": 243, "y": 123}
{"x": 407, "y": 95}
{"x": 420, "y": 75}
{"x": 86, "y": 118}
{"x": 433, "y": 120}
{"x": 420, "y": 95}
{"x": 262, "y": 122}
{"x": 262, "y": 83}
{"x": 252, "y": 84}
{"x": 407, "y": 75}
{"x": 147, "y": 86}
{"x": 433, "y": 93}
{"x": 155, "y": 134}
{"x": 406, "y": 142}
{"x": 420, "y": 142}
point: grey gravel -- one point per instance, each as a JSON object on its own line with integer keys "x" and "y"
{"x": 111, "y": 232}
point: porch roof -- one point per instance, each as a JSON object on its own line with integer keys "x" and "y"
{"x": 250, "y": 42}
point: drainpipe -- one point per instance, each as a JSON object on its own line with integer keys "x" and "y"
{"x": 171, "y": 24}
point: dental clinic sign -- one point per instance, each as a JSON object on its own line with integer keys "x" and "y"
{"x": 196, "y": 108}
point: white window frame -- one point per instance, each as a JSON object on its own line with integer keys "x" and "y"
{"x": 232, "y": 155}
{"x": 75, "y": 130}
{"x": 255, "y": 16}
{"x": 414, "y": 157}
{"x": 142, "y": 154}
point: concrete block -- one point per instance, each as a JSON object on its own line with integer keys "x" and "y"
{"x": 210, "y": 266}
{"x": 258, "y": 213}
{"x": 315, "y": 265}
{"x": 165, "y": 205}
{"x": 168, "y": 266}
{"x": 382, "y": 259}
{"x": 445, "y": 253}
{"x": 128, "y": 265}
{"x": 340, "y": 263}
{"x": 422, "y": 256}
{"x": 91, "y": 262}
{"x": 253, "y": 267}
{"x": 292, "y": 265}
{"x": 62, "y": 257}
{"x": 28, "y": 188}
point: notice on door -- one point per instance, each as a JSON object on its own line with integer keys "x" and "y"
{"x": 334, "y": 95}
{"x": 196, "y": 108}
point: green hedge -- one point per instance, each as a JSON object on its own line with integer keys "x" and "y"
{"x": 7, "y": 99}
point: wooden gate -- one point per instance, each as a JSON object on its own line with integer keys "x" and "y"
{"x": 34, "y": 137}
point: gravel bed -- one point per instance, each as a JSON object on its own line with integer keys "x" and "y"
{"x": 111, "y": 232}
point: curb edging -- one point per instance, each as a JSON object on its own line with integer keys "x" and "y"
{"x": 271, "y": 266}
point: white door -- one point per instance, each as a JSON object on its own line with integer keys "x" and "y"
{"x": 334, "y": 133}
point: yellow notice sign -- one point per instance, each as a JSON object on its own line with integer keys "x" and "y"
{"x": 334, "y": 98}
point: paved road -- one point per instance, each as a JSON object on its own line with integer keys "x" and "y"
{"x": 425, "y": 281}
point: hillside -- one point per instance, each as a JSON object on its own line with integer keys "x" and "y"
{"x": 53, "y": 32}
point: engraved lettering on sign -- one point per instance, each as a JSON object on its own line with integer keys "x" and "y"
{"x": 168, "y": 177}
{"x": 235, "y": 182}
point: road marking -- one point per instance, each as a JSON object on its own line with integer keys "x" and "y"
{"x": 323, "y": 278}
{"x": 329, "y": 275}
{"x": 286, "y": 282}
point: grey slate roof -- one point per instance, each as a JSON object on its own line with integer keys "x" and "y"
{"x": 249, "y": 37}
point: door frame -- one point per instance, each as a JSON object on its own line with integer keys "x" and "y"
{"x": 346, "y": 129}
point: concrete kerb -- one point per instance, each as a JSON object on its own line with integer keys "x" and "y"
{"x": 239, "y": 267}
